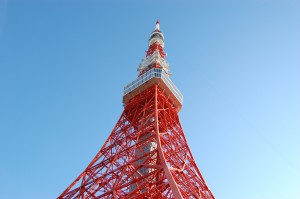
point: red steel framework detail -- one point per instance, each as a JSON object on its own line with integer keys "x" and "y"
{"x": 148, "y": 118}
{"x": 154, "y": 47}
{"x": 145, "y": 156}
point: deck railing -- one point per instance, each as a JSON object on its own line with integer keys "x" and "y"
{"x": 154, "y": 73}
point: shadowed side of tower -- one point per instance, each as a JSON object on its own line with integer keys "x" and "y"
{"x": 146, "y": 155}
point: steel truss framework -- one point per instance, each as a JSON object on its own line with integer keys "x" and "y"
{"x": 125, "y": 167}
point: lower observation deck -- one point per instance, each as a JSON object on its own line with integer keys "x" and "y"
{"x": 151, "y": 77}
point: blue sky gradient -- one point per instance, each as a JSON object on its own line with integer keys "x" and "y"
{"x": 63, "y": 66}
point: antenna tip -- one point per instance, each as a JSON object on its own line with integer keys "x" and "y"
{"x": 157, "y": 25}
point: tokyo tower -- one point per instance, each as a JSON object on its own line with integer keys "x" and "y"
{"x": 146, "y": 154}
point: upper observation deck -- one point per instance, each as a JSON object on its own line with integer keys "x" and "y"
{"x": 149, "y": 78}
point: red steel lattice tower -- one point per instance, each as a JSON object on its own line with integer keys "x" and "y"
{"x": 146, "y": 155}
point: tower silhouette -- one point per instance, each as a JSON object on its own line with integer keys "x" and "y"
{"x": 146, "y": 155}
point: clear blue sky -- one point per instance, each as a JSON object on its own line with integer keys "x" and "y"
{"x": 63, "y": 66}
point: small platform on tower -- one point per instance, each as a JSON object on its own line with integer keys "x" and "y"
{"x": 149, "y": 78}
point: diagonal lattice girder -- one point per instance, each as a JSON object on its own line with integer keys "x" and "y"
{"x": 145, "y": 156}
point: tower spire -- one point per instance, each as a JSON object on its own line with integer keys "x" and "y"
{"x": 155, "y": 55}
